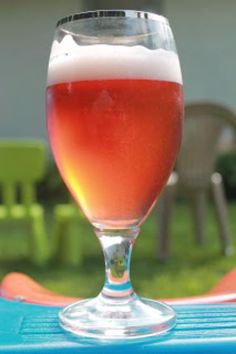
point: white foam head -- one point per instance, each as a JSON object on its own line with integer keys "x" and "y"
{"x": 72, "y": 62}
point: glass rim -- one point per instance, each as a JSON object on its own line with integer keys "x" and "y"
{"x": 112, "y": 13}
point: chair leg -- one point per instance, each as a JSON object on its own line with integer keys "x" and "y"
{"x": 73, "y": 252}
{"x": 199, "y": 215}
{"x": 165, "y": 209}
{"x": 221, "y": 213}
{"x": 57, "y": 231}
{"x": 66, "y": 243}
{"x": 40, "y": 249}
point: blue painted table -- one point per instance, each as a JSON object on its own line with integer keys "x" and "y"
{"x": 28, "y": 328}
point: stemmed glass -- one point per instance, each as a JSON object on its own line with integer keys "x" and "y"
{"x": 114, "y": 114}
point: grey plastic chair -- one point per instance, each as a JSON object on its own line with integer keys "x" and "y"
{"x": 195, "y": 174}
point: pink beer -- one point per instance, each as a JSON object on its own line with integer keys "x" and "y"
{"x": 115, "y": 127}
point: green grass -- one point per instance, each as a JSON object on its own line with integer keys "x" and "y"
{"x": 190, "y": 270}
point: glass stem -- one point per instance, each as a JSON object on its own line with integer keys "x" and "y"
{"x": 117, "y": 247}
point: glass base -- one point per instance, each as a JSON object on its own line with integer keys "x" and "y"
{"x": 103, "y": 317}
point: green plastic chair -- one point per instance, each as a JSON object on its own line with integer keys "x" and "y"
{"x": 22, "y": 164}
{"x": 66, "y": 241}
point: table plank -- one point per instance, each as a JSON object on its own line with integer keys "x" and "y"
{"x": 27, "y": 328}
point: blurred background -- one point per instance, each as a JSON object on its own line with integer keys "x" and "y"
{"x": 205, "y": 37}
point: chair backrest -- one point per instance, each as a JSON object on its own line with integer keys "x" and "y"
{"x": 22, "y": 163}
{"x": 203, "y": 128}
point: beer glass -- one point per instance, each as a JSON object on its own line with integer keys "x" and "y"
{"x": 114, "y": 113}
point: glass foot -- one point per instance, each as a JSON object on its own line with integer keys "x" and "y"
{"x": 102, "y": 317}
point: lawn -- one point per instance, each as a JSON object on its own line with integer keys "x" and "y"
{"x": 190, "y": 270}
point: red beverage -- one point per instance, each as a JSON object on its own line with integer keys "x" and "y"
{"x": 115, "y": 143}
